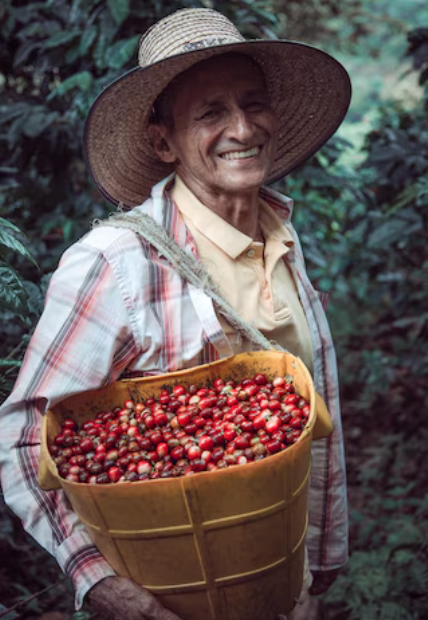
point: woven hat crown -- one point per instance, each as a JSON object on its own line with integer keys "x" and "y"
{"x": 184, "y": 31}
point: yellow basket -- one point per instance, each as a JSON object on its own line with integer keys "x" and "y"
{"x": 223, "y": 545}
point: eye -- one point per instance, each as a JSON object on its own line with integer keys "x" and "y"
{"x": 256, "y": 106}
{"x": 209, "y": 114}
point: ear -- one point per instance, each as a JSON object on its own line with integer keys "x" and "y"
{"x": 159, "y": 138}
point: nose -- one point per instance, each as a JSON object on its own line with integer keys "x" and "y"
{"x": 240, "y": 127}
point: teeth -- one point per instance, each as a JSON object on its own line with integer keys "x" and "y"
{"x": 242, "y": 154}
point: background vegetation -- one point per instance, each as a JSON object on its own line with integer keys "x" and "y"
{"x": 362, "y": 211}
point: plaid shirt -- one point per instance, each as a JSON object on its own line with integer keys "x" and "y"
{"x": 115, "y": 306}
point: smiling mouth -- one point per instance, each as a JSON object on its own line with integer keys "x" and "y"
{"x": 231, "y": 155}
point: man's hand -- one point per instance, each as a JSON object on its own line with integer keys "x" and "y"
{"x": 322, "y": 581}
{"x": 118, "y": 598}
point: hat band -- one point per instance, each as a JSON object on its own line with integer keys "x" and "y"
{"x": 209, "y": 42}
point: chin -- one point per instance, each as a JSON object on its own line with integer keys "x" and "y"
{"x": 246, "y": 182}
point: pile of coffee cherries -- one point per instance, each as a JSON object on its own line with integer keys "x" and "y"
{"x": 186, "y": 430}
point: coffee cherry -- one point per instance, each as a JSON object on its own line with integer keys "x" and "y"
{"x": 186, "y": 430}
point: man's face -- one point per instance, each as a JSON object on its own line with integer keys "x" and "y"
{"x": 223, "y": 138}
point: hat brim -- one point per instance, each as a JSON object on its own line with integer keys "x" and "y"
{"x": 310, "y": 93}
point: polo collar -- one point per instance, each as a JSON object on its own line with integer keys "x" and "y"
{"x": 225, "y": 236}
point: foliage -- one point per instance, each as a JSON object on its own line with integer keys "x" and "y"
{"x": 387, "y": 576}
{"x": 329, "y": 197}
{"x": 371, "y": 247}
{"x": 387, "y": 270}
{"x": 312, "y": 20}
{"x": 14, "y": 294}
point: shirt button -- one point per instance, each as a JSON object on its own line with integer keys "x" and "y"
{"x": 251, "y": 253}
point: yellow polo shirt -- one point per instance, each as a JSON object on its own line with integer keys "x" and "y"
{"x": 251, "y": 275}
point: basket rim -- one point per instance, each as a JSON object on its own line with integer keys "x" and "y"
{"x": 238, "y": 358}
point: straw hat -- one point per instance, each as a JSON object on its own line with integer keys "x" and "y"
{"x": 309, "y": 91}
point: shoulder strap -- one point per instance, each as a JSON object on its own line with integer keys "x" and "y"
{"x": 187, "y": 267}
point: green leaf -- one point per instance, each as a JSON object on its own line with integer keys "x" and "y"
{"x": 88, "y": 37}
{"x": 8, "y": 170}
{"x": 393, "y": 229}
{"x": 75, "y": 11}
{"x": 119, "y": 10}
{"x": 404, "y": 198}
{"x": 61, "y": 38}
{"x": 12, "y": 292}
{"x": 7, "y": 224}
{"x": 72, "y": 54}
{"x": 24, "y": 51}
{"x": 33, "y": 604}
{"x": 68, "y": 230}
{"x": 35, "y": 298}
{"x": 82, "y": 80}
{"x": 11, "y": 242}
{"x": 11, "y": 615}
{"x": 37, "y": 121}
{"x": 5, "y": 363}
{"x": 121, "y": 52}
{"x": 81, "y": 615}
{"x": 8, "y": 113}
{"x": 100, "y": 50}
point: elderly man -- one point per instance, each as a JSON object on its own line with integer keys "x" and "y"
{"x": 219, "y": 117}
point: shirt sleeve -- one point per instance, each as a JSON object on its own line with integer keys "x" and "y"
{"x": 327, "y": 535}
{"x": 83, "y": 341}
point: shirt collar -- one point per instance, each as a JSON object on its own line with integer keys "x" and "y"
{"x": 272, "y": 226}
{"x": 230, "y": 240}
{"x": 225, "y": 236}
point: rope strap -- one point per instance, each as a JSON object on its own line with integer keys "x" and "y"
{"x": 188, "y": 268}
